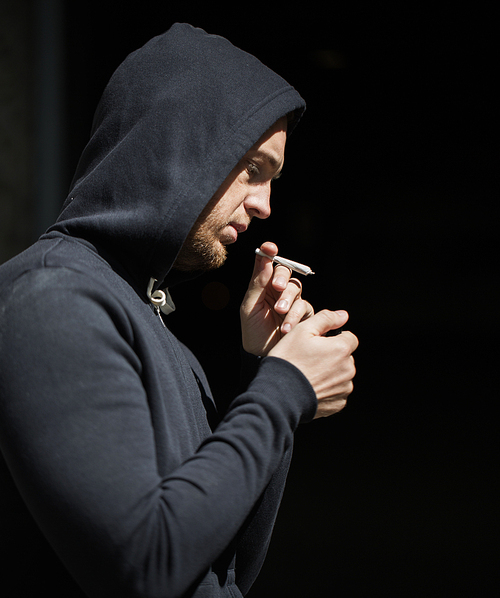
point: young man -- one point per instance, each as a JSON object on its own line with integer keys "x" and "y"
{"x": 114, "y": 454}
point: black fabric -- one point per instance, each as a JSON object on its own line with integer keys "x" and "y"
{"x": 172, "y": 123}
{"x": 115, "y": 462}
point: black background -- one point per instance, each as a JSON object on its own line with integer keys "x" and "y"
{"x": 389, "y": 193}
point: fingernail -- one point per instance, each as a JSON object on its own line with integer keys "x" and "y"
{"x": 280, "y": 281}
{"x": 283, "y": 304}
{"x": 286, "y": 327}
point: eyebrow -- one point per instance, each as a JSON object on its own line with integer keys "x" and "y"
{"x": 275, "y": 164}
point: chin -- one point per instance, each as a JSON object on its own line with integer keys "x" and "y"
{"x": 201, "y": 253}
{"x": 219, "y": 257}
{"x": 211, "y": 256}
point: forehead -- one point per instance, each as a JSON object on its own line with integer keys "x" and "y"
{"x": 272, "y": 144}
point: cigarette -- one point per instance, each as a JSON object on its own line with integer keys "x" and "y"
{"x": 295, "y": 266}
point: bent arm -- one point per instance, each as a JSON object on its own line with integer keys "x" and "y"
{"x": 78, "y": 438}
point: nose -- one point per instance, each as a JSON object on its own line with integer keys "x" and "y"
{"x": 258, "y": 202}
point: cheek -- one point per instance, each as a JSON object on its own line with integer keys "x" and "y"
{"x": 229, "y": 205}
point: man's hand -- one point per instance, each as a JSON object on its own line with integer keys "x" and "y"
{"x": 272, "y": 305}
{"x": 327, "y": 362}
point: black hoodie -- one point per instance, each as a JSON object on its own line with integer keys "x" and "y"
{"x": 107, "y": 426}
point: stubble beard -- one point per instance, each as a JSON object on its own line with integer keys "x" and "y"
{"x": 202, "y": 249}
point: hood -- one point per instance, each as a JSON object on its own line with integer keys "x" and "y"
{"x": 175, "y": 118}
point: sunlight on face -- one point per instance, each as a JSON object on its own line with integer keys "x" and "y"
{"x": 244, "y": 194}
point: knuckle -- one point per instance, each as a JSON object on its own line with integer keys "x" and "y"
{"x": 325, "y": 315}
{"x": 282, "y": 270}
{"x": 354, "y": 340}
{"x": 353, "y": 369}
{"x": 294, "y": 289}
{"x": 294, "y": 313}
{"x": 343, "y": 347}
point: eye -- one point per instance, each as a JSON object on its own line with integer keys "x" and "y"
{"x": 252, "y": 169}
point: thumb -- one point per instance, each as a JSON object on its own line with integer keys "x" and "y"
{"x": 325, "y": 320}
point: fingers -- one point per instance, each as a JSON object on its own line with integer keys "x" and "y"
{"x": 326, "y": 320}
{"x": 291, "y": 292}
{"x": 334, "y": 399}
{"x": 327, "y": 362}
{"x": 272, "y": 282}
{"x": 281, "y": 277}
{"x": 300, "y": 310}
{"x": 275, "y": 286}
{"x": 262, "y": 263}
{"x": 261, "y": 275}
{"x": 289, "y": 303}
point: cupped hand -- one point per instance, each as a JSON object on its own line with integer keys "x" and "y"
{"x": 326, "y": 361}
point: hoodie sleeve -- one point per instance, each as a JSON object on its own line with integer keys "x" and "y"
{"x": 77, "y": 436}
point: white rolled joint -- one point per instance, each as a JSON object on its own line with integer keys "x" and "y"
{"x": 294, "y": 266}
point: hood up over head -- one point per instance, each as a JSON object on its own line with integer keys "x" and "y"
{"x": 173, "y": 121}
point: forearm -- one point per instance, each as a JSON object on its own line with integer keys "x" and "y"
{"x": 84, "y": 452}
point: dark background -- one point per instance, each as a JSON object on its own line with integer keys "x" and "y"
{"x": 389, "y": 193}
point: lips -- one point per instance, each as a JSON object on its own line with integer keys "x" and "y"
{"x": 240, "y": 227}
{"x": 231, "y": 232}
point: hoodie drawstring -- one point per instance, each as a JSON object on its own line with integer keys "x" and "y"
{"x": 161, "y": 300}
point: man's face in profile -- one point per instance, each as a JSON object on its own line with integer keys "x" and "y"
{"x": 244, "y": 194}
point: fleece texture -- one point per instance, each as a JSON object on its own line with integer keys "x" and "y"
{"x": 118, "y": 476}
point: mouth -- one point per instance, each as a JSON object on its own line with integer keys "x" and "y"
{"x": 239, "y": 227}
{"x": 232, "y": 230}
{"x": 229, "y": 233}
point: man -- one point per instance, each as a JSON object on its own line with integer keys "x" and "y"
{"x": 110, "y": 436}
